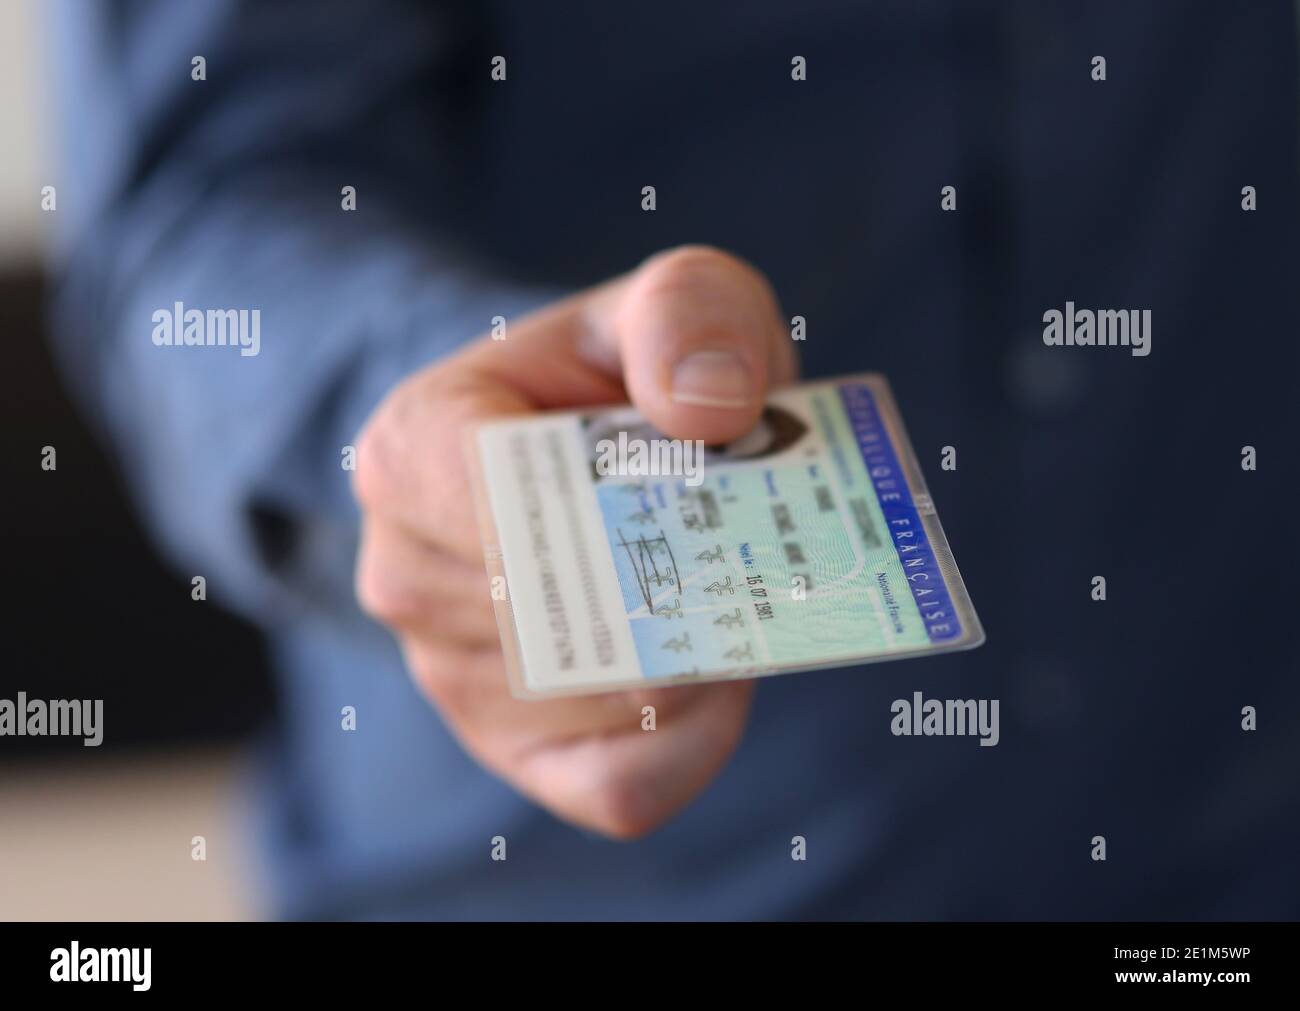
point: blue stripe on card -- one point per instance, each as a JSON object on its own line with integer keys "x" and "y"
{"x": 907, "y": 532}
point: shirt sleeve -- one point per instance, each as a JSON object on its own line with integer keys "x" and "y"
{"x": 224, "y": 190}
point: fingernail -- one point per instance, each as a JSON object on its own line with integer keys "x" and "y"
{"x": 713, "y": 379}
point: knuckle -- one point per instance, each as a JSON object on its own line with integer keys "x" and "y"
{"x": 386, "y": 446}
{"x": 369, "y": 593}
{"x": 409, "y": 453}
{"x": 384, "y": 594}
{"x": 376, "y": 464}
{"x": 427, "y": 667}
{"x": 619, "y": 807}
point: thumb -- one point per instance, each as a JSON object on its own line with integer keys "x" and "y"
{"x": 701, "y": 340}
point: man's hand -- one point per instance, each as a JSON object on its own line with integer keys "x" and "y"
{"x": 694, "y": 339}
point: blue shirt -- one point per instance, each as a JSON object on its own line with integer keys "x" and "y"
{"x": 477, "y": 198}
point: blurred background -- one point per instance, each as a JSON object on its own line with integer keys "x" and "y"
{"x": 101, "y": 833}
